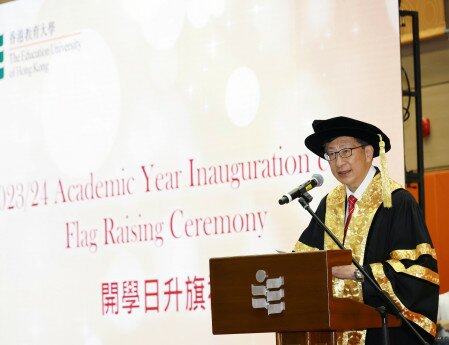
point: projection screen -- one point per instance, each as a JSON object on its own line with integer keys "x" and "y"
{"x": 139, "y": 138}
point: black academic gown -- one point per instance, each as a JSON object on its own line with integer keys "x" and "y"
{"x": 401, "y": 227}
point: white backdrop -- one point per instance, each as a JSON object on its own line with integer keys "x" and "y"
{"x": 140, "y": 138}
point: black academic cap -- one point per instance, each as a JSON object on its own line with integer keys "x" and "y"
{"x": 341, "y": 126}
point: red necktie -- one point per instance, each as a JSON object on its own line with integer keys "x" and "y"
{"x": 351, "y": 203}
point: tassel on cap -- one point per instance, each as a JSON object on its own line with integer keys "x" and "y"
{"x": 386, "y": 191}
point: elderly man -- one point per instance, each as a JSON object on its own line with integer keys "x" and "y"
{"x": 383, "y": 226}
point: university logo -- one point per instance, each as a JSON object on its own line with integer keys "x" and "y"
{"x": 2, "y": 69}
{"x": 269, "y": 294}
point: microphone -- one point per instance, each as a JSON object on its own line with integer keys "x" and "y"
{"x": 315, "y": 181}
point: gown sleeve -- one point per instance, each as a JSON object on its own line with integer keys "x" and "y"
{"x": 401, "y": 259}
{"x": 312, "y": 237}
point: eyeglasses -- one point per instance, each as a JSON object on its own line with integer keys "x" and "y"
{"x": 344, "y": 153}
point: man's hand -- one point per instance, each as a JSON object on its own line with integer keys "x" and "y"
{"x": 344, "y": 272}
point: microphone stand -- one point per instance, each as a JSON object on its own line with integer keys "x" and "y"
{"x": 304, "y": 200}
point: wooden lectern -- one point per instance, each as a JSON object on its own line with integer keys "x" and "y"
{"x": 311, "y": 315}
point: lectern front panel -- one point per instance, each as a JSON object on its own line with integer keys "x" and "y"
{"x": 268, "y": 293}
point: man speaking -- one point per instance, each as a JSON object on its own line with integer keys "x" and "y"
{"x": 383, "y": 226}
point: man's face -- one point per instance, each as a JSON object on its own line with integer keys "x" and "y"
{"x": 352, "y": 170}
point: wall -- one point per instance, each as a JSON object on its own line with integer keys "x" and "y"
{"x": 434, "y": 82}
{"x": 435, "y": 90}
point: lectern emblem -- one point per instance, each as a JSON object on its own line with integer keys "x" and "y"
{"x": 269, "y": 294}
